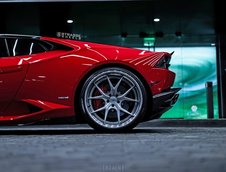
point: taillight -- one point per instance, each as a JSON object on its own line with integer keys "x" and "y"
{"x": 164, "y": 62}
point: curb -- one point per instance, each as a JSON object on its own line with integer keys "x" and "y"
{"x": 185, "y": 123}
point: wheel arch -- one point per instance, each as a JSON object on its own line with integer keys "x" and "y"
{"x": 78, "y": 112}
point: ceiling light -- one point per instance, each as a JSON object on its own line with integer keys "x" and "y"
{"x": 70, "y": 21}
{"x": 213, "y": 44}
{"x": 156, "y": 19}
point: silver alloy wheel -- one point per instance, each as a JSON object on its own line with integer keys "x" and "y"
{"x": 113, "y": 99}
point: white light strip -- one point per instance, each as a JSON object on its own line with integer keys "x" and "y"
{"x": 31, "y": 48}
{"x": 14, "y": 48}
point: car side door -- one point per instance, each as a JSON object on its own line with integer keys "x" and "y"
{"x": 12, "y": 70}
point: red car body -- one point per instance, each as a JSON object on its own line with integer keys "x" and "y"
{"x": 45, "y": 85}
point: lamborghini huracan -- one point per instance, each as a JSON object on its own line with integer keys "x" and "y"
{"x": 109, "y": 87}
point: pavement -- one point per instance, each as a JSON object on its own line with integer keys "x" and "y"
{"x": 160, "y": 145}
{"x": 185, "y": 123}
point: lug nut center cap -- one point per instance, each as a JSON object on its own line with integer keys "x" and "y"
{"x": 113, "y": 99}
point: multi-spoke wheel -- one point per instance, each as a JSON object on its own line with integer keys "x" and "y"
{"x": 113, "y": 99}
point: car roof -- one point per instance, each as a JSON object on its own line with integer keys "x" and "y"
{"x": 19, "y": 36}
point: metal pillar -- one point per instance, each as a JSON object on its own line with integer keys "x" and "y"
{"x": 209, "y": 98}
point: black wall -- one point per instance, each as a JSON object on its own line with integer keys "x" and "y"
{"x": 221, "y": 52}
{"x": 54, "y": 15}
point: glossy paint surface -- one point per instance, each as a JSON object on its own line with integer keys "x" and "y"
{"x": 42, "y": 86}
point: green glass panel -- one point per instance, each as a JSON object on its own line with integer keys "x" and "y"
{"x": 194, "y": 66}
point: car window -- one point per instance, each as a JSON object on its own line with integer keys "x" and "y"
{"x": 3, "y": 50}
{"x": 50, "y": 46}
{"x": 20, "y": 47}
{"x": 25, "y": 46}
{"x": 36, "y": 47}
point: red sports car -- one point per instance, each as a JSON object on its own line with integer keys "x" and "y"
{"x": 111, "y": 88}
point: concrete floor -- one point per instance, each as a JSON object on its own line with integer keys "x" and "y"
{"x": 68, "y": 148}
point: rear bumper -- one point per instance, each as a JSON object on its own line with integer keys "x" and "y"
{"x": 164, "y": 101}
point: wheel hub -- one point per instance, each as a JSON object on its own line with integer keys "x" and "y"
{"x": 113, "y": 99}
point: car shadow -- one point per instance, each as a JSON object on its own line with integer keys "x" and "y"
{"x": 74, "y": 131}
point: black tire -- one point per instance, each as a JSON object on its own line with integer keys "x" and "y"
{"x": 113, "y": 99}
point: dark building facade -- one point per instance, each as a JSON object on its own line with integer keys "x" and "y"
{"x": 189, "y": 27}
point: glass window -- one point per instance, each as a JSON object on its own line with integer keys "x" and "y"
{"x": 20, "y": 47}
{"x": 25, "y": 46}
{"x": 3, "y": 50}
{"x": 36, "y": 48}
{"x": 194, "y": 66}
{"x": 50, "y": 46}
